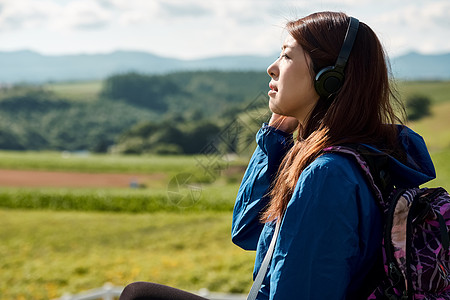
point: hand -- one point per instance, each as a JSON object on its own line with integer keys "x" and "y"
{"x": 284, "y": 123}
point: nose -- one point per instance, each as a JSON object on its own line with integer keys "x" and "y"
{"x": 272, "y": 70}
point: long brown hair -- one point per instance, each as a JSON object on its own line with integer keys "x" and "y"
{"x": 361, "y": 112}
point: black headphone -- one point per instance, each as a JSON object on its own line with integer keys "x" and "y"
{"x": 330, "y": 79}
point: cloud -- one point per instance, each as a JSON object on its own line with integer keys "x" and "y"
{"x": 140, "y": 12}
{"x": 418, "y": 25}
{"x": 420, "y": 16}
{"x": 107, "y": 4}
{"x": 46, "y": 14}
{"x": 195, "y": 28}
{"x": 177, "y": 9}
{"x": 84, "y": 15}
{"x": 436, "y": 13}
{"x": 25, "y": 14}
{"x": 218, "y": 12}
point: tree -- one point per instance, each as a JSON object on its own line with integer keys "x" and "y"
{"x": 9, "y": 141}
{"x": 198, "y": 137}
{"x": 417, "y": 107}
{"x": 141, "y": 90}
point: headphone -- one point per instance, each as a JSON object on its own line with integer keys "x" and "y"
{"x": 330, "y": 79}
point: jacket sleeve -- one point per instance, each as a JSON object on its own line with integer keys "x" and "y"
{"x": 330, "y": 231}
{"x": 272, "y": 145}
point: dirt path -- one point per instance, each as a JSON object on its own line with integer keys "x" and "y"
{"x": 21, "y": 178}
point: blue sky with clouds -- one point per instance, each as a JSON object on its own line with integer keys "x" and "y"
{"x": 204, "y": 28}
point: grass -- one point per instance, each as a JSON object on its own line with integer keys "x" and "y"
{"x": 45, "y": 254}
{"x": 218, "y": 196}
{"x": 441, "y": 163}
{"x": 84, "y": 91}
{"x": 438, "y": 91}
{"x": 435, "y": 128}
{"x": 62, "y": 161}
{"x": 62, "y": 244}
{"x": 101, "y": 163}
{"x": 109, "y": 163}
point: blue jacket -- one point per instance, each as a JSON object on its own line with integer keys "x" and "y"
{"x": 332, "y": 229}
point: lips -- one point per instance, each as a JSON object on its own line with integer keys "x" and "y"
{"x": 273, "y": 87}
{"x": 273, "y": 90}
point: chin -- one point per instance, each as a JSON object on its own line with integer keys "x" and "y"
{"x": 274, "y": 108}
{"x": 277, "y": 109}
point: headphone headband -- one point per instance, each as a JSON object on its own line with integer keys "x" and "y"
{"x": 330, "y": 79}
{"x": 347, "y": 45}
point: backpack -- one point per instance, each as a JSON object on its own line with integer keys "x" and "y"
{"x": 416, "y": 255}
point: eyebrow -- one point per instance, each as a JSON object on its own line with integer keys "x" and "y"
{"x": 285, "y": 46}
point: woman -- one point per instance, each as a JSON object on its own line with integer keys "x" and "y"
{"x": 330, "y": 226}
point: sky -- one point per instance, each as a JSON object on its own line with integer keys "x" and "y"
{"x": 191, "y": 29}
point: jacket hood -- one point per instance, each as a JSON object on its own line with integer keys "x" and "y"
{"x": 418, "y": 168}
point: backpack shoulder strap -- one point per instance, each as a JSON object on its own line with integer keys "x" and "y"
{"x": 265, "y": 264}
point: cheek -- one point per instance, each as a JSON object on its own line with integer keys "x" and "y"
{"x": 302, "y": 96}
{"x": 311, "y": 91}
{"x": 306, "y": 87}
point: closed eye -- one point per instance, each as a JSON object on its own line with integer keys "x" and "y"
{"x": 284, "y": 56}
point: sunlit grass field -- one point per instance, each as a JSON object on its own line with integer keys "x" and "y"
{"x": 192, "y": 197}
{"x": 436, "y": 128}
{"x": 69, "y": 239}
{"x": 438, "y": 91}
{"x": 97, "y": 163}
{"x": 44, "y": 254}
{"x": 76, "y": 90}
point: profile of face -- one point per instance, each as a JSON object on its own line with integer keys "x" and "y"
{"x": 291, "y": 86}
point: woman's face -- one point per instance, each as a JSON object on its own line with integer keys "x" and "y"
{"x": 292, "y": 90}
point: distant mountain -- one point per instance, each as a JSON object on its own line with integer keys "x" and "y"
{"x": 32, "y": 67}
{"x": 28, "y": 66}
{"x": 415, "y": 66}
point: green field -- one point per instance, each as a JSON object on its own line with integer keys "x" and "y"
{"x": 57, "y": 161}
{"x": 436, "y": 128}
{"x": 77, "y": 90}
{"x": 218, "y": 196}
{"x": 44, "y": 254}
{"x": 438, "y": 91}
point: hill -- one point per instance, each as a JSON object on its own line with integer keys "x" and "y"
{"x": 32, "y": 67}
{"x": 416, "y": 66}
{"x": 28, "y": 66}
{"x": 176, "y": 107}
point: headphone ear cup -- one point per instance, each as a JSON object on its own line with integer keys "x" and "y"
{"x": 328, "y": 81}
